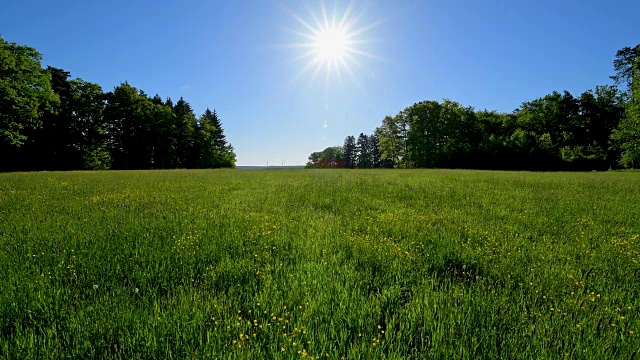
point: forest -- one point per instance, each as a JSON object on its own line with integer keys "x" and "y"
{"x": 49, "y": 121}
{"x": 598, "y": 130}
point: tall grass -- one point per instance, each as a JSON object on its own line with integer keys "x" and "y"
{"x": 323, "y": 264}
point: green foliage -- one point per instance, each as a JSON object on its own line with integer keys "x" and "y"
{"x": 130, "y": 117}
{"x": 596, "y": 131}
{"x": 555, "y": 132}
{"x": 364, "y": 150}
{"x": 331, "y": 157}
{"x": 350, "y": 152}
{"x": 145, "y": 134}
{"x": 439, "y": 132}
{"x": 96, "y": 159}
{"x": 413, "y": 264}
{"x": 186, "y": 126}
{"x": 50, "y": 122}
{"x": 627, "y": 135}
{"x": 25, "y": 92}
{"x": 88, "y": 125}
{"x": 625, "y": 66}
{"x": 392, "y": 140}
{"x": 211, "y": 143}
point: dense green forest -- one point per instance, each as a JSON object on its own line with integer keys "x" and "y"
{"x": 598, "y": 130}
{"x": 49, "y": 121}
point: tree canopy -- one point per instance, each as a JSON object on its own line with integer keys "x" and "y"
{"x": 598, "y": 130}
{"x": 25, "y": 92}
{"x": 49, "y": 121}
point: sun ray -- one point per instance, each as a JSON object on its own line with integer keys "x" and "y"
{"x": 319, "y": 67}
{"x": 306, "y": 36}
{"x": 357, "y": 63}
{"x": 324, "y": 14}
{"x": 293, "y": 46}
{"x": 307, "y": 55}
{"x": 365, "y": 54}
{"x": 345, "y": 16}
{"x": 336, "y": 70}
{"x": 313, "y": 15}
{"x": 310, "y": 66}
{"x": 366, "y": 28}
{"x": 333, "y": 16}
{"x": 300, "y": 20}
{"x": 348, "y": 70}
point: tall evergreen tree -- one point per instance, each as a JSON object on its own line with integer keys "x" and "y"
{"x": 157, "y": 100}
{"x": 364, "y": 152}
{"x": 211, "y": 143}
{"x": 186, "y": 126}
{"x": 376, "y": 157}
{"x": 219, "y": 139}
{"x": 350, "y": 152}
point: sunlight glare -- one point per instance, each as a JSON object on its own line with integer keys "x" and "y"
{"x": 331, "y": 42}
{"x": 331, "y": 45}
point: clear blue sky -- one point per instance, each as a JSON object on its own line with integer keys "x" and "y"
{"x": 234, "y": 56}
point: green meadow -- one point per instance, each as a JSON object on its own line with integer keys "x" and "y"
{"x": 270, "y": 264}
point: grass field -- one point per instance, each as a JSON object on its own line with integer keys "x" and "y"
{"x": 320, "y": 264}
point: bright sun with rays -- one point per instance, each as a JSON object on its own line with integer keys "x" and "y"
{"x": 331, "y": 42}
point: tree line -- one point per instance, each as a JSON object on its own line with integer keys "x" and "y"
{"x": 49, "y": 121}
{"x": 598, "y": 130}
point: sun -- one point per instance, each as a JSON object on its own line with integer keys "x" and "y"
{"x": 331, "y": 45}
{"x": 331, "y": 41}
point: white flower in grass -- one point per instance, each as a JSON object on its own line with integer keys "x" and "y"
{"x": 136, "y": 290}
{"x": 95, "y": 287}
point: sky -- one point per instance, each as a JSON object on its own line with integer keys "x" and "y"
{"x": 260, "y": 63}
